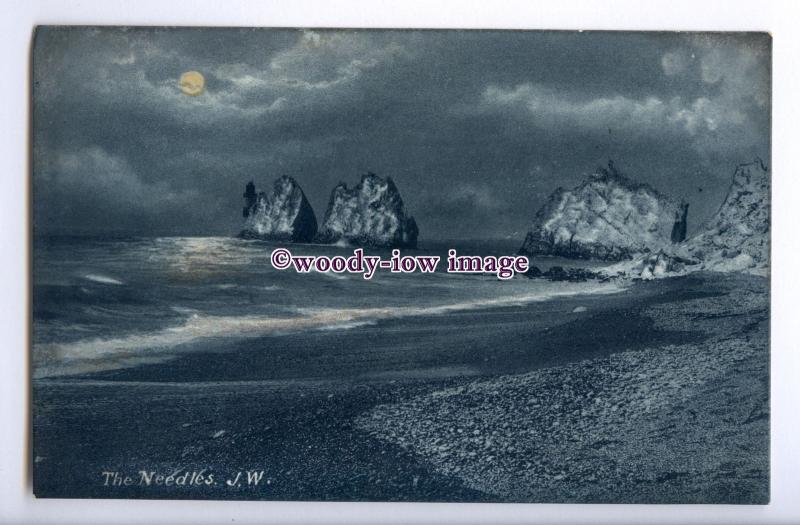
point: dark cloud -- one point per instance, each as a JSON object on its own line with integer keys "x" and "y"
{"x": 476, "y": 128}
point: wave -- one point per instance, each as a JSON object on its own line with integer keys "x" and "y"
{"x": 129, "y": 350}
{"x": 183, "y": 309}
{"x": 102, "y": 279}
{"x": 347, "y": 326}
{"x": 332, "y": 275}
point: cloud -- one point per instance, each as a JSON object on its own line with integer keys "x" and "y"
{"x": 470, "y": 199}
{"x": 140, "y": 71}
{"x": 740, "y": 69}
{"x": 729, "y": 112}
{"x": 124, "y": 60}
{"x": 321, "y": 60}
{"x": 94, "y": 171}
{"x": 674, "y": 62}
{"x": 70, "y": 184}
{"x": 551, "y": 108}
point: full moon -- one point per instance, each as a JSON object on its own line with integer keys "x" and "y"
{"x": 192, "y": 83}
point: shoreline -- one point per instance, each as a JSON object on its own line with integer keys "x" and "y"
{"x": 208, "y": 333}
{"x": 449, "y": 335}
{"x": 669, "y": 424}
{"x": 293, "y": 407}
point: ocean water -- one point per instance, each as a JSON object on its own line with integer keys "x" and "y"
{"x": 109, "y": 303}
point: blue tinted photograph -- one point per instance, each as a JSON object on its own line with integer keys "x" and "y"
{"x": 401, "y": 265}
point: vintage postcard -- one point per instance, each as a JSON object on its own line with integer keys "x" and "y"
{"x": 401, "y": 265}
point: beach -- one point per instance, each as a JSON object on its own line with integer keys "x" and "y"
{"x": 360, "y": 410}
{"x": 677, "y": 423}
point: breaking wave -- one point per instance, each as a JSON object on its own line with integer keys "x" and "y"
{"x": 88, "y": 355}
{"x": 102, "y": 279}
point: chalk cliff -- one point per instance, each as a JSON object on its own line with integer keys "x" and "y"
{"x": 735, "y": 239}
{"x": 283, "y": 215}
{"x": 370, "y": 214}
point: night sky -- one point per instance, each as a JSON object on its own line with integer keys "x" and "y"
{"x": 477, "y": 128}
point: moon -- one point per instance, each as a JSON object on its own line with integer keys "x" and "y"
{"x": 192, "y": 83}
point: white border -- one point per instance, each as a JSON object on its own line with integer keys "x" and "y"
{"x": 16, "y": 22}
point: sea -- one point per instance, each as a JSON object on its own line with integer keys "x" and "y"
{"x": 110, "y": 303}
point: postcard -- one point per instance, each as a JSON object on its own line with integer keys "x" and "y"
{"x": 401, "y": 265}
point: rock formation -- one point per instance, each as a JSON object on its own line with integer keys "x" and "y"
{"x": 370, "y": 214}
{"x": 606, "y": 217}
{"x": 283, "y": 215}
{"x": 679, "y": 227}
{"x": 737, "y": 237}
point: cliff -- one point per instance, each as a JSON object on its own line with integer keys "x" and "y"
{"x": 735, "y": 239}
{"x": 606, "y": 217}
{"x": 370, "y": 214}
{"x": 282, "y": 215}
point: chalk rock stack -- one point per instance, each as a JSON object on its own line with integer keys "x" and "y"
{"x": 370, "y": 214}
{"x": 284, "y": 214}
{"x": 608, "y": 217}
